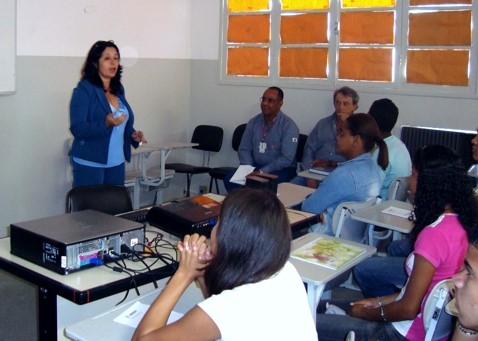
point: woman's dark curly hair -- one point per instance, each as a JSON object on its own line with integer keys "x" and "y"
{"x": 90, "y": 67}
{"x": 253, "y": 240}
{"x": 441, "y": 181}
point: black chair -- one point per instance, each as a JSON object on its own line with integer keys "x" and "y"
{"x": 209, "y": 139}
{"x": 111, "y": 199}
{"x": 219, "y": 173}
{"x": 300, "y": 147}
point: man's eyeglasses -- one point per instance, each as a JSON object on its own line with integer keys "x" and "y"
{"x": 268, "y": 100}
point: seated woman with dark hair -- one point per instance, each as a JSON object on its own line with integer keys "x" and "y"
{"x": 252, "y": 291}
{"x": 444, "y": 206}
{"x": 358, "y": 178}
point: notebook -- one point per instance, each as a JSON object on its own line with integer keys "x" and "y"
{"x": 320, "y": 170}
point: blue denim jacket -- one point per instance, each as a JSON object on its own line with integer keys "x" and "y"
{"x": 353, "y": 180}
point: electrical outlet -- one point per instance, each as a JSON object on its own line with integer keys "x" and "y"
{"x": 203, "y": 189}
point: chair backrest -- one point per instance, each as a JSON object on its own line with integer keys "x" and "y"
{"x": 437, "y": 322}
{"x": 398, "y": 189}
{"x": 208, "y": 137}
{"x": 347, "y": 228}
{"x": 300, "y": 147}
{"x": 111, "y": 199}
{"x": 237, "y": 136}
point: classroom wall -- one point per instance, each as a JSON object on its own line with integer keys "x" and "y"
{"x": 171, "y": 54}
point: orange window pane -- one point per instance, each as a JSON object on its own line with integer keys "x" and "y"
{"x": 248, "y": 29}
{"x": 370, "y": 64}
{"x": 304, "y": 28}
{"x": 439, "y": 2}
{"x": 247, "y": 5}
{"x": 367, "y": 3}
{"x": 444, "y": 28}
{"x": 248, "y": 61}
{"x": 292, "y": 5}
{"x": 440, "y": 67}
{"x": 303, "y": 62}
{"x": 367, "y": 27}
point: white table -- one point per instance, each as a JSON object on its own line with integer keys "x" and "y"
{"x": 103, "y": 326}
{"x": 374, "y": 215}
{"x": 292, "y": 194}
{"x": 316, "y": 276}
{"x": 156, "y": 176}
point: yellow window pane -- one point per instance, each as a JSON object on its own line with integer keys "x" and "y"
{"x": 248, "y": 61}
{"x": 303, "y": 62}
{"x": 247, "y": 5}
{"x": 370, "y": 64}
{"x": 304, "y": 28}
{"x": 292, "y": 5}
{"x": 444, "y": 28}
{"x": 440, "y": 67}
{"x": 367, "y": 3}
{"x": 248, "y": 29}
{"x": 439, "y": 2}
{"x": 367, "y": 27}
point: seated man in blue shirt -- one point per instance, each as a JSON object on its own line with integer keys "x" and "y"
{"x": 319, "y": 150}
{"x": 270, "y": 140}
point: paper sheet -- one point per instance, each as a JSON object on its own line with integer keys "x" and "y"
{"x": 239, "y": 176}
{"x": 132, "y": 316}
{"x": 396, "y": 211}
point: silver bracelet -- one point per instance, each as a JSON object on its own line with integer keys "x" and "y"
{"x": 466, "y": 331}
{"x": 382, "y": 313}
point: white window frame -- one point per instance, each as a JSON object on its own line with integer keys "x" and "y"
{"x": 397, "y": 86}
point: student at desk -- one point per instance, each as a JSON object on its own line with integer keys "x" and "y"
{"x": 444, "y": 207}
{"x": 252, "y": 291}
{"x": 466, "y": 292}
{"x": 358, "y": 178}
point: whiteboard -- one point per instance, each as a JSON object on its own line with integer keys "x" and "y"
{"x": 7, "y": 46}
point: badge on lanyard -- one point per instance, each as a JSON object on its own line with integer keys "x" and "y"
{"x": 262, "y": 147}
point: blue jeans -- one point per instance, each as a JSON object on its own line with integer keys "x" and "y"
{"x": 87, "y": 176}
{"x": 284, "y": 175}
{"x": 379, "y": 276}
{"x": 400, "y": 248}
{"x": 336, "y": 327}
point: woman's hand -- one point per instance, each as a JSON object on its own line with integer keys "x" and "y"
{"x": 112, "y": 121}
{"x": 138, "y": 136}
{"x": 194, "y": 255}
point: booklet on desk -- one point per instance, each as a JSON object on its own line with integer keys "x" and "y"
{"x": 328, "y": 253}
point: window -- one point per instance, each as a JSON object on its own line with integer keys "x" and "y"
{"x": 405, "y": 46}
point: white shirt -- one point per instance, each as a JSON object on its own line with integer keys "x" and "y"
{"x": 273, "y": 309}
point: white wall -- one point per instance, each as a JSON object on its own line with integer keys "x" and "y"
{"x": 170, "y": 49}
{"x": 53, "y": 37}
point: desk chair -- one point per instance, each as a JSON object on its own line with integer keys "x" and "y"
{"x": 347, "y": 228}
{"x": 209, "y": 139}
{"x": 398, "y": 190}
{"x": 111, "y": 199}
{"x": 300, "y": 150}
{"x": 219, "y": 173}
{"x": 437, "y": 322}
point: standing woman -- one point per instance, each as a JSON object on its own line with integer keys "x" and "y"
{"x": 358, "y": 178}
{"x": 444, "y": 206}
{"x": 101, "y": 120}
